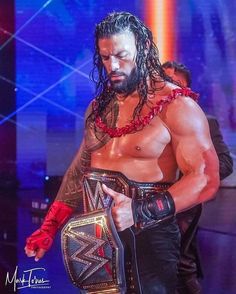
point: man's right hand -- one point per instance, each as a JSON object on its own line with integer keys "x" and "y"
{"x": 37, "y": 244}
{"x": 41, "y": 240}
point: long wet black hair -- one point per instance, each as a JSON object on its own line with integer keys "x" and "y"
{"x": 147, "y": 60}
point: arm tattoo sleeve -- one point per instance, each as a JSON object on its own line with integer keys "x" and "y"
{"x": 71, "y": 191}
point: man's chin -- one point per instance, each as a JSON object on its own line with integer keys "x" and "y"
{"x": 122, "y": 87}
{"x": 118, "y": 87}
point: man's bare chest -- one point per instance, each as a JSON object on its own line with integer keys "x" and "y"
{"x": 146, "y": 143}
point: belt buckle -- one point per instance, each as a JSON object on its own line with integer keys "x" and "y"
{"x": 93, "y": 253}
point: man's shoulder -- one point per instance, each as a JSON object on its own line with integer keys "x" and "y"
{"x": 174, "y": 98}
{"x": 171, "y": 92}
{"x": 183, "y": 114}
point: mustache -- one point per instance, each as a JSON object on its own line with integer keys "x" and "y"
{"x": 115, "y": 73}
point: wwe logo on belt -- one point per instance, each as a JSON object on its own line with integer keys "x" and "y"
{"x": 96, "y": 199}
{"x": 86, "y": 253}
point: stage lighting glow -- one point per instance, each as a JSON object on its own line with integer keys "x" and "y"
{"x": 160, "y": 18}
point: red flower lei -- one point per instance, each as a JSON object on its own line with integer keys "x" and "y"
{"x": 140, "y": 123}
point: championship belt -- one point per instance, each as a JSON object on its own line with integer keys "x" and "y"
{"x": 92, "y": 250}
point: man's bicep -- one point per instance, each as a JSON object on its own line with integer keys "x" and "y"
{"x": 189, "y": 151}
{"x": 77, "y": 158}
{"x": 70, "y": 191}
{"x": 190, "y": 135}
{"x": 195, "y": 153}
{"x": 192, "y": 144}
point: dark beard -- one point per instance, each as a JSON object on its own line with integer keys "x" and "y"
{"x": 128, "y": 85}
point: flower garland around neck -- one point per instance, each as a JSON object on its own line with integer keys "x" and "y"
{"x": 141, "y": 122}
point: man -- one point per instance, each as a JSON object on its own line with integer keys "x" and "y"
{"x": 189, "y": 266}
{"x": 138, "y": 130}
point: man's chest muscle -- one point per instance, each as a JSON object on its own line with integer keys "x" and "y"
{"x": 147, "y": 143}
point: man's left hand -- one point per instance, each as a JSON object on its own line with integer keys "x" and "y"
{"x": 121, "y": 211}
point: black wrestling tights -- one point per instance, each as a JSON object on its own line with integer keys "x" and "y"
{"x": 157, "y": 253}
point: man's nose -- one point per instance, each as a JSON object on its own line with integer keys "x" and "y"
{"x": 114, "y": 63}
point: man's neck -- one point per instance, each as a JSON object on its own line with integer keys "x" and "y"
{"x": 122, "y": 97}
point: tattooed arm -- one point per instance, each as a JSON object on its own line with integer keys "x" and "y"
{"x": 70, "y": 191}
{"x": 70, "y": 194}
{"x": 69, "y": 197}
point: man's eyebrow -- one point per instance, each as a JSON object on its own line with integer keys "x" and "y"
{"x": 122, "y": 51}
{"x": 119, "y": 52}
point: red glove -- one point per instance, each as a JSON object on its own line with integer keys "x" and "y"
{"x": 57, "y": 215}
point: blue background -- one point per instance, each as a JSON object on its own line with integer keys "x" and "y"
{"x": 54, "y": 47}
{"x": 53, "y": 58}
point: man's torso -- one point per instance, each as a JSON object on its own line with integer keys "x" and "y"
{"x": 146, "y": 155}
